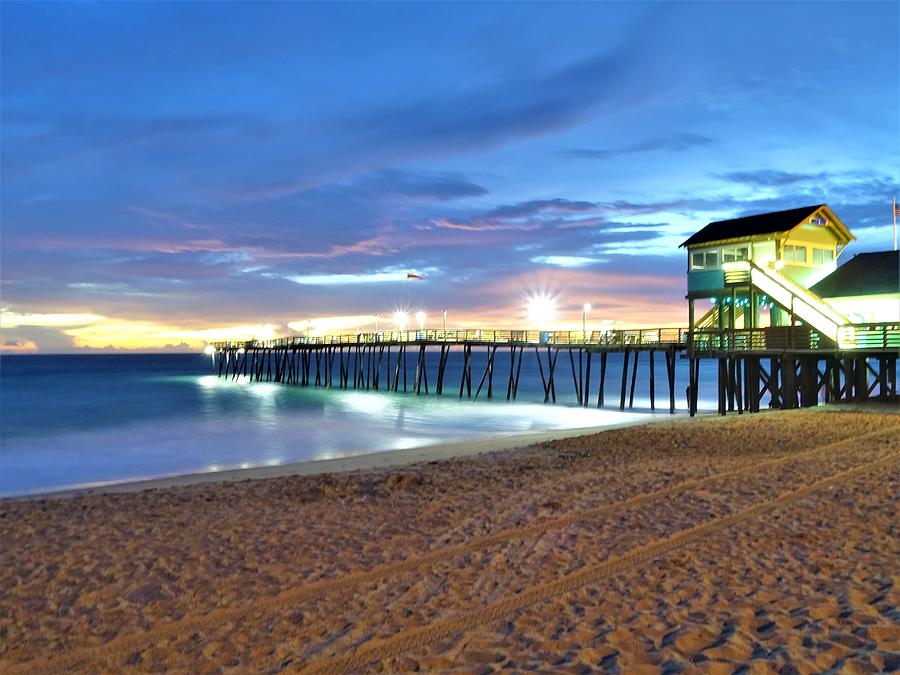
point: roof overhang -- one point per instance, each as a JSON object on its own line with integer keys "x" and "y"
{"x": 768, "y": 236}
{"x": 833, "y": 222}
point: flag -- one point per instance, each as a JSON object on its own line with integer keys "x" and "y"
{"x": 896, "y": 208}
{"x": 414, "y": 276}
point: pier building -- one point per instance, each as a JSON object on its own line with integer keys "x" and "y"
{"x": 757, "y": 272}
{"x": 784, "y": 320}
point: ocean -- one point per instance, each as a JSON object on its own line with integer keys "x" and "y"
{"x": 69, "y": 421}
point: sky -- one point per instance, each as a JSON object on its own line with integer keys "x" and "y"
{"x": 174, "y": 173}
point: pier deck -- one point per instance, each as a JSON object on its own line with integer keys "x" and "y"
{"x": 792, "y": 366}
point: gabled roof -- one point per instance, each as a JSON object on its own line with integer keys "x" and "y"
{"x": 762, "y": 223}
{"x": 864, "y": 274}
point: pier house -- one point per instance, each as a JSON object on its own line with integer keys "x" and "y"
{"x": 785, "y": 318}
{"x": 757, "y": 272}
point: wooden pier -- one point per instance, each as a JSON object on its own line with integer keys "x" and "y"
{"x": 788, "y": 367}
{"x": 795, "y": 366}
{"x": 396, "y": 361}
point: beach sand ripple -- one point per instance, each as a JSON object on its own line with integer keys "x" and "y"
{"x": 768, "y": 541}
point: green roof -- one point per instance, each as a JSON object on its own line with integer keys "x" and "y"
{"x": 864, "y": 274}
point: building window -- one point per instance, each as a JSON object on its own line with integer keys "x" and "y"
{"x": 705, "y": 260}
{"x": 822, "y": 256}
{"x": 735, "y": 253}
{"x": 794, "y": 253}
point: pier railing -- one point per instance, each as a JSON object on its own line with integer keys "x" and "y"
{"x": 870, "y": 336}
{"x": 873, "y": 336}
{"x": 614, "y": 337}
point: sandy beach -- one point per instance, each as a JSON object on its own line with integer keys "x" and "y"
{"x": 769, "y": 541}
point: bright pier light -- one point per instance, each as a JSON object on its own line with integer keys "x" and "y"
{"x": 401, "y": 319}
{"x": 209, "y": 350}
{"x": 267, "y": 332}
{"x": 420, "y": 319}
{"x": 587, "y": 307}
{"x": 541, "y": 309}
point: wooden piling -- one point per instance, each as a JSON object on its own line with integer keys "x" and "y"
{"x": 600, "y": 394}
{"x": 624, "y": 378}
{"x": 633, "y": 379}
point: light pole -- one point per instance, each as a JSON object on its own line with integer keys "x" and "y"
{"x": 420, "y": 318}
{"x": 445, "y": 321}
{"x": 584, "y": 313}
{"x": 376, "y": 323}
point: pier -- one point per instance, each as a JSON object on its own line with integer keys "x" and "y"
{"x": 396, "y": 361}
{"x": 793, "y": 367}
{"x": 787, "y": 327}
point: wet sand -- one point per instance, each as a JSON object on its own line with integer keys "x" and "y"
{"x": 768, "y": 540}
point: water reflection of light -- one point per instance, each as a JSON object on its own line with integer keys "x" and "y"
{"x": 406, "y": 442}
{"x": 263, "y": 406}
{"x": 209, "y": 381}
{"x": 367, "y": 404}
{"x": 263, "y": 389}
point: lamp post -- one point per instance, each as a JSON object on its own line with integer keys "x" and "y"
{"x": 445, "y": 321}
{"x": 376, "y": 323}
{"x": 420, "y": 318}
{"x": 584, "y": 312}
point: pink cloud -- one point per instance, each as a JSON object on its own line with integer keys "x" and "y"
{"x": 485, "y": 226}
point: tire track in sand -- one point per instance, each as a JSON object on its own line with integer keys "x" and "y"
{"x": 404, "y": 641}
{"x": 124, "y": 645}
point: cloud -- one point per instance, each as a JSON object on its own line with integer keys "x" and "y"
{"x": 374, "y": 246}
{"x": 483, "y": 226}
{"x": 419, "y": 186}
{"x": 98, "y": 331}
{"x": 377, "y": 277}
{"x": 674, "y": 143}
{"x": 320, "y": 325}
{"x": 771, "y": 177}
{"x": 538, "y": 206}
{"x": 565, "y": 260}
{"x": 524, "y": 103}
{"x": 18, "y": 347}
{"x": 13, "y": 319}
{"x": 524, "y": 216}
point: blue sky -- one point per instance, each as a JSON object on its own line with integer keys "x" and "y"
{"x": 175, "y": 171}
